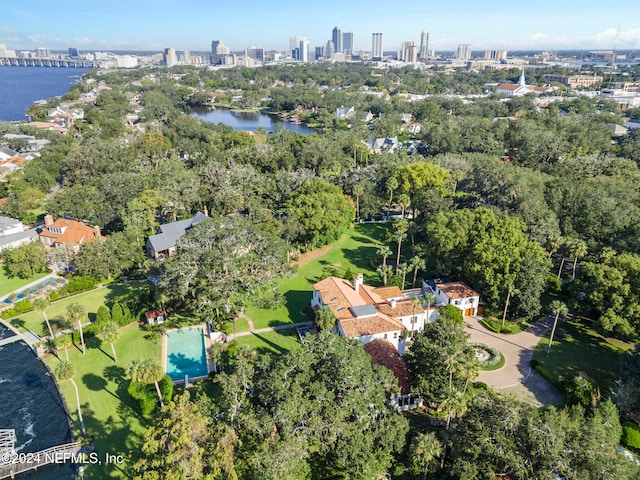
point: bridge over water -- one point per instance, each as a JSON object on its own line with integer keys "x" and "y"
{"x": 48, "y": 62}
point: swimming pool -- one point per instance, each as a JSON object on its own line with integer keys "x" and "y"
{"x": 186, "y": 354}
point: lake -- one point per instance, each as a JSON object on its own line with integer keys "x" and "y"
{"x": 250, "y": 121}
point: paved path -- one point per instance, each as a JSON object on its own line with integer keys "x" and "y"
{"x": 517, "y": 350}
{"x": 253, "y": 330}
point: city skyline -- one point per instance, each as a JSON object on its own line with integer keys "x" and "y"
{"x": 193, "y": 24}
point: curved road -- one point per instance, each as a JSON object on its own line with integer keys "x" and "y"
{"x": 517, "y": 350}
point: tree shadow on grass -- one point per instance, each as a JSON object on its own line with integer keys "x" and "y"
{"x": 19, "y": 323}
{"x": 274, "y": 346}
{"x": 96, "y": 383}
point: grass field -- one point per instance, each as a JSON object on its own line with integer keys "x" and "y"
{"x": 271, "y": 342}
{"x": 114, "y": 424}
{"x": 91, "y": 301}
{"x": 8, "y": 285}
{"x": 354, "y": 251}
{"x": 578, "y": 348}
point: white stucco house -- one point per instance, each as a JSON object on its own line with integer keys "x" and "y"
{"x": 458, "y": 294}
{"x": 368, "y": 313}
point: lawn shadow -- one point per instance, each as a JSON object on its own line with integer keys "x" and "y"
{"x": 295, "y": 301}
{"x": 274, "y": 346}
{"x": 97, "y": 384}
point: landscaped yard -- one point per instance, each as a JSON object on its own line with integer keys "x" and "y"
{"x": 578, "y": 348}
{"x": 114, "y": 424}
{"x": 91, "y": 301}
{"x": 8, "y": 285}
{"x": 271, "y": 342}
{"x": 354, "y": 251}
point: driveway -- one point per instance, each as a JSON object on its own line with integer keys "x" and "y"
{"x": 517, "y": 350}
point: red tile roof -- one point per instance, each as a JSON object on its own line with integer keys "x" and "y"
{"x": 72, "y": 232}
{"x": 457, "y": 290}
{"x": 384, "y": 353}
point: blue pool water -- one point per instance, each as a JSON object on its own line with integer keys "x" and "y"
{"x": 186, "y": 354}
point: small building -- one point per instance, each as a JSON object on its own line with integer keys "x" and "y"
{"x": 13, "y": 233}
{"x": 458, "y": 294}
{"x": 65, "y": 231}
{"x": 155, "y": 317}
{"x": 345, "y": 113}
{"x": 521, "y": 88}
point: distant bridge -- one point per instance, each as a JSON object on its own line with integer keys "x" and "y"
{"x": 48, "y": 62}
{"x": 32, "y": 461}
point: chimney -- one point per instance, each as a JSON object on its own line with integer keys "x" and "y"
{"x": 393, "y": 303}
{"x": 96, "y": 231}
{"x": 48, "y": 220}
{"x": 206, "y": 212}
{"x": 357, "y": 281}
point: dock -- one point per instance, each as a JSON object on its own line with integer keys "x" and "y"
{"x": 32, "y": 461}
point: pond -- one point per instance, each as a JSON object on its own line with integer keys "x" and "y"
{"x": 250, "y": 121}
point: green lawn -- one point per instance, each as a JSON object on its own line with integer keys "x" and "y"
{"x": 114, "y": 424}
{"x": 578, "y": 348}
{"x": 354, "y": 251}
{"x": 91, "y": 300}
{"x": 271, "y": 342}
{"x": 8, "y": 285}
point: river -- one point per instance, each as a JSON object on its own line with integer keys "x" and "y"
{"x": 21, "y": 86}
{"x": 250, "y": 121}
{"x": 31, "y": 404}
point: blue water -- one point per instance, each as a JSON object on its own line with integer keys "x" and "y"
{"x": 31, "y": 404}
{"x": 21, "y": 86}
{"x": 186, "y": 354}
{"x": 251, "y": 121}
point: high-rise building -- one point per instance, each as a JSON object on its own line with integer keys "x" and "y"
{"x": 42, "y": 52}
{"x": 294, "y": 42}
{"x": 408, "y": 52}
{"x": 464, "y": 52}
{"x": 336, "y": 38}
{"x": 347, "y": 43}
{"x": 329, "y": 49}
{"x": 218, "y": 48}
{"x": 376, "y": 46}
{"x": 495, "y": 54}
{"x": 257, "y": 53}
{"x": 73, "y": 52}
{"x": 170, "y": 57}
{"x": 303, "y": 48}
{"x": 423, "y": 54}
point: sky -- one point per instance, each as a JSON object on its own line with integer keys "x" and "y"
{"x": 111, "y": 25}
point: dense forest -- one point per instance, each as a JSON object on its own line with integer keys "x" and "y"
{"x": 516, "y": 198}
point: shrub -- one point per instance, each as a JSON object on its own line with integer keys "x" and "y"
{"x": 580, "y": 389}
{"x": 53, "y": 296}
{"x": 166, "y": 388}
{"x": 145, "y": 397}
{"x": 631, "y": 435}
{"x": 23, "y": 306}
{"x": 554, "y": 284}
{"x": 9, "y": 313}
{"x": 82, "y": 283}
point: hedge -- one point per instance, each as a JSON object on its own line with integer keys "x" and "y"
{"x": 631, "y": 435}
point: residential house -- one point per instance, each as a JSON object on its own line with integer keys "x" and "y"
{"x": 6, "y": 153}
{"x": 10, "y": 166}
{"x": 384, "y": 145}
{"x": 367, "y": 313}
{"x": 14, "y": 234}
{"x": 65, "y": 231}
{"x": 345, "y": 113}
{"x": 163, "y": 243}
{"x": 458, "y": 294}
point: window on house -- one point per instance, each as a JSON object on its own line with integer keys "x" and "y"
{"x": 385, "y": 336}
{"x": 395, "y": 335}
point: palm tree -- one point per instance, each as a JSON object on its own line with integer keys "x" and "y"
{"x": 217, "y": 350}
{"x": 403, "y": 269}
{"x": 558, "y": 308}
{"x": 358, "y": 190}
{"x": 577, "y": 249}
{"x": 453, "y": 403}
{"x": 110, "y": 332}
{"x": 384, "y": 271}
{"x": 554, "y": 243}
{"x": 41, "y": 305}
{"x": 400, "y": 233}
{"x": 404, "y": 201}
{"x": 470, "y": 369}
{"x": 146, "y": 371}
{"x": 430, "y": 298}
{"x": 415, "y": 303}
{"x": 392, "y": 184}
{"x": 66, "y": 371}
{"x": 384, "y": 252}
{"x": 425, "y": 451}
{"x": 417, "y": 263}
{"x": 75, "y": 314}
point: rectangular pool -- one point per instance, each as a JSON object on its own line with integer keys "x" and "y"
{"x": 186, "y": 354}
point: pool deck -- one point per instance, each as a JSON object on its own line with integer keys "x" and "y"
{"x": 207, "y": 345}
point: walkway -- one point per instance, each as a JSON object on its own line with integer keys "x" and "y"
{"x": 33, "y": 461}
{"x": 517, "y": 350}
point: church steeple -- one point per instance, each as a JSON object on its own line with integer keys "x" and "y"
{"x": 521, "y": 82}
